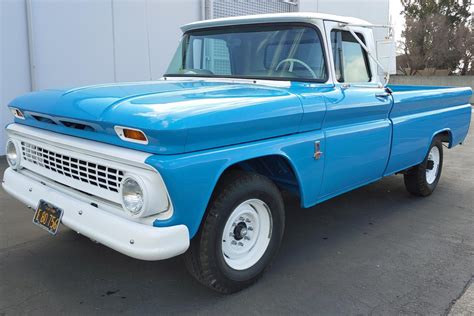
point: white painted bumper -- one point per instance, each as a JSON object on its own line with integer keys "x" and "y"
{"x": 133, "y": 239}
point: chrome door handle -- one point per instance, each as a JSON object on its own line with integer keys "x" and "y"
{"x": 382, "y": 95}
{"x": 317, "y": 150}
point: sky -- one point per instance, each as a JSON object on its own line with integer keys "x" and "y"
{"x": 397, "y": 20}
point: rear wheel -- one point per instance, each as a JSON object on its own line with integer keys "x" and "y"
{"x": 240, "y": 235}
{"x": 422, "y": 179}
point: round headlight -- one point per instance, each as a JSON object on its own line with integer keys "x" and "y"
{"x": 132, "y": 196}
{"x": 13, "y": 157}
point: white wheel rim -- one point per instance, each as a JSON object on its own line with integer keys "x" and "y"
{"x": 433, "y": 156}
{"x": 246, "y": 234}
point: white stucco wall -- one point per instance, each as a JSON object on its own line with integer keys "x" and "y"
{"x": 14, "y": 66}
{"x": 85, "y": 42}
{"x": 73, "y": 43}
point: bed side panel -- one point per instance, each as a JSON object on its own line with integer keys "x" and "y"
{"x": 418, "y": 114}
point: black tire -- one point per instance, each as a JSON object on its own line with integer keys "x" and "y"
{"x": 415, "y": 177}
{"x": 204, "y": 258}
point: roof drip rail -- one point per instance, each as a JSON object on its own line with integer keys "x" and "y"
{"x": 359, "y": 40}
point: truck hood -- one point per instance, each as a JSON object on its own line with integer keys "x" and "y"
{"x": 176, "y": 116}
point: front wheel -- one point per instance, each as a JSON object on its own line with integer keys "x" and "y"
{"x": 422, "y": 179}
{"x": 240, "y": 235}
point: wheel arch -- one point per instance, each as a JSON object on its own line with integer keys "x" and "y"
{"x": 446, "y": 136}
{"x": 276, "y": 167}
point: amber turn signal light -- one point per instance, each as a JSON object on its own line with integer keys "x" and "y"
{"x": 134, "y": 134}
{"x": 131, "y": 135}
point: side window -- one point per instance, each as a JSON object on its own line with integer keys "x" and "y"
{"x": 350, "y": 59}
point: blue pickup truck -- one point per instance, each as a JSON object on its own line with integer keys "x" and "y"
{"x": 195, "y": 163}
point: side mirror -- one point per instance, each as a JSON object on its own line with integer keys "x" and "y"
{"x": 386, "y": 56}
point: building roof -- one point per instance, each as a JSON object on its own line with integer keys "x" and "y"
{"x": 273, "y": 17}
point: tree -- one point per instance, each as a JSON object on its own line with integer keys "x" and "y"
{"x": 438, "y": 34}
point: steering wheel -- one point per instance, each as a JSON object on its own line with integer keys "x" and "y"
{"x": 292, "y": 61}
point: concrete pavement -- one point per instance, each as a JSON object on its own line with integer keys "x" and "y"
{"x": 465, "y": 304}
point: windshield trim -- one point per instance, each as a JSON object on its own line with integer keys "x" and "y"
{"x": 255, "y": 26}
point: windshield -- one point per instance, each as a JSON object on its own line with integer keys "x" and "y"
{"x": 289, "y": 52}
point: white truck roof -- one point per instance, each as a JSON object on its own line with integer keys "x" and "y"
{"x": 273, "y": 17}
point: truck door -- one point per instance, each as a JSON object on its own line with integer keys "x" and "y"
{"x": 356, "y": 125}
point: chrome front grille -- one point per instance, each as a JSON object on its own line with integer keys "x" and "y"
{"x": 92, "y": 173}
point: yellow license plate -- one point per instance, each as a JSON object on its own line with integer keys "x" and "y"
{"x": 48, "y": 217}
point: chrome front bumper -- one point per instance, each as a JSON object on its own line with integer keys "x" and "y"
{"x": 134, "y": 239}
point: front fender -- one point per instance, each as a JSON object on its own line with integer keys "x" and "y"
{"x": 191, "y": 178}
